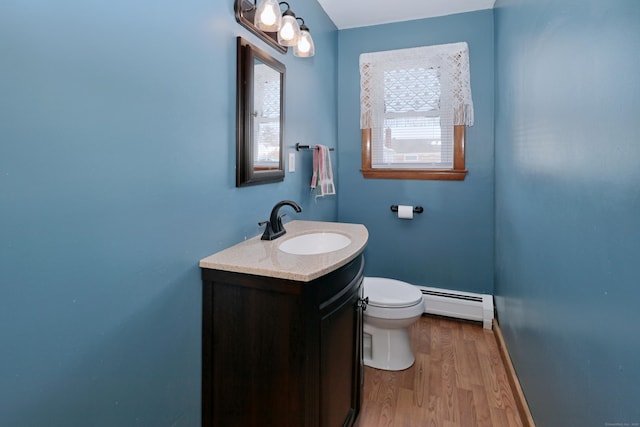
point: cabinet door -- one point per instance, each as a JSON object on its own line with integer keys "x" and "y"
{"x": 341, "y": 359}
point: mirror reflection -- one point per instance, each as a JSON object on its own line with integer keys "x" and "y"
{"x": 266, "y": 122}
{"x": 260, "y": 118}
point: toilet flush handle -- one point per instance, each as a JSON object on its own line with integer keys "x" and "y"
{"x": 362, "y": 302}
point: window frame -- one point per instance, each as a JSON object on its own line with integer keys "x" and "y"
{"x": 452, "y": 62}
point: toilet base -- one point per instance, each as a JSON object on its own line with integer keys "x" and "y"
{"x": 388, "y": 349}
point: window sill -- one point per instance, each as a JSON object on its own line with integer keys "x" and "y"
{"x": 434, "y": 174}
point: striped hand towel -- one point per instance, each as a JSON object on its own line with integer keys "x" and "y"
{"x": 322, "y": 180}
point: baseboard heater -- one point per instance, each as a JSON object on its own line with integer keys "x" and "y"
{"x": 458, "y": 304}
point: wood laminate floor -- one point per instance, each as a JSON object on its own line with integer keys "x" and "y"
{"x": 458, "y": 379}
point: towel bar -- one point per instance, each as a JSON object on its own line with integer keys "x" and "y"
{"x": 307, "y": 147}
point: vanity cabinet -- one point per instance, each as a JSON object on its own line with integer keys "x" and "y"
{"x": 280, "y": 352}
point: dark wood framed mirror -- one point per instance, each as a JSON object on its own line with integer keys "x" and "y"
{"x": 259, "y": 117}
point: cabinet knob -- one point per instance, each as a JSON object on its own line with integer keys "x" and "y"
{"x": 362, "y": 303}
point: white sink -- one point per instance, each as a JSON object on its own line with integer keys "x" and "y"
{"x": 314, "y": 243}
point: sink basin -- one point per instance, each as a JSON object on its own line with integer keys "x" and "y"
{"x": 314, "y": 243}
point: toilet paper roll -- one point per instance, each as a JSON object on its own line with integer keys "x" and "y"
{"x": 405, "y": 212}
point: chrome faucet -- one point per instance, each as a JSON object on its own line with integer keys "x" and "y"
{"x": 274, "y": 227}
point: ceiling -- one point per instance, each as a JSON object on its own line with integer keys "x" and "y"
{"x": 362, "y": 13}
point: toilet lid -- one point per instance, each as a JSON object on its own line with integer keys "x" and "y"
{"x": 384, "y": 292}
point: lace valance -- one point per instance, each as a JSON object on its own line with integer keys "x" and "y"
{"x": 451, "y": 88}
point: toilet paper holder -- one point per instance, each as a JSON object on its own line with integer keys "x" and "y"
{"x": 416, "y": 209}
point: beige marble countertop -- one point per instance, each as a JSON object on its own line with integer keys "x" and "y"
{"x": 263, "y": 258}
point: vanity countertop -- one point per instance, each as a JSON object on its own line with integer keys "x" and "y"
{"x": 263, "y": 258}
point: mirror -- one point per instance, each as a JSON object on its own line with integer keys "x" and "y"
{"x": 259, "y": 117}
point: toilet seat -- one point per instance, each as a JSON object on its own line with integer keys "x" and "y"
{"x": 391, "y": 293}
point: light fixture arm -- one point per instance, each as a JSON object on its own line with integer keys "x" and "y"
{"x": 303, "y": 26}
{"x": 288, "y": 8}
{"x": 248, "y": 6}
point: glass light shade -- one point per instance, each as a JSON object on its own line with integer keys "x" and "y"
{"x": 304, "y": 48}
{"x": 268, "y": 16}
{"x": 289, "y": 33}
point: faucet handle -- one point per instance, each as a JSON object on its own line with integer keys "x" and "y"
{"x": 280, "y": 226}
{"x": 268, "y": 231}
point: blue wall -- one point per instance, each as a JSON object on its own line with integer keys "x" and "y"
{"x": 117, "y": 160}
{"x": 117, "y": 138}
{"x": 450, "y": 245}
{"x": 568, "y": 205}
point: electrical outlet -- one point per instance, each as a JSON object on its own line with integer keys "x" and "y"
{"x": 292, "y": 162}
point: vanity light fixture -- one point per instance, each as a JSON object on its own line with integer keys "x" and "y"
{"x": 268, "y": 16}
{"x": 289, "y": 33}
{"x": 304, "y": 48}
{"x": 280, "y": 29}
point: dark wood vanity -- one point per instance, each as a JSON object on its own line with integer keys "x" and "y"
{"x": 281, "y": 352}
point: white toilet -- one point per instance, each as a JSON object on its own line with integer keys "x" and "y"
{"x": 393, "y": 306}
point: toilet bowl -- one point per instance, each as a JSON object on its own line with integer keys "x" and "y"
{"x": 393, "y": 306}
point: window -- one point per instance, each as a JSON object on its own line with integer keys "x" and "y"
{"x": 415, "y": 104}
